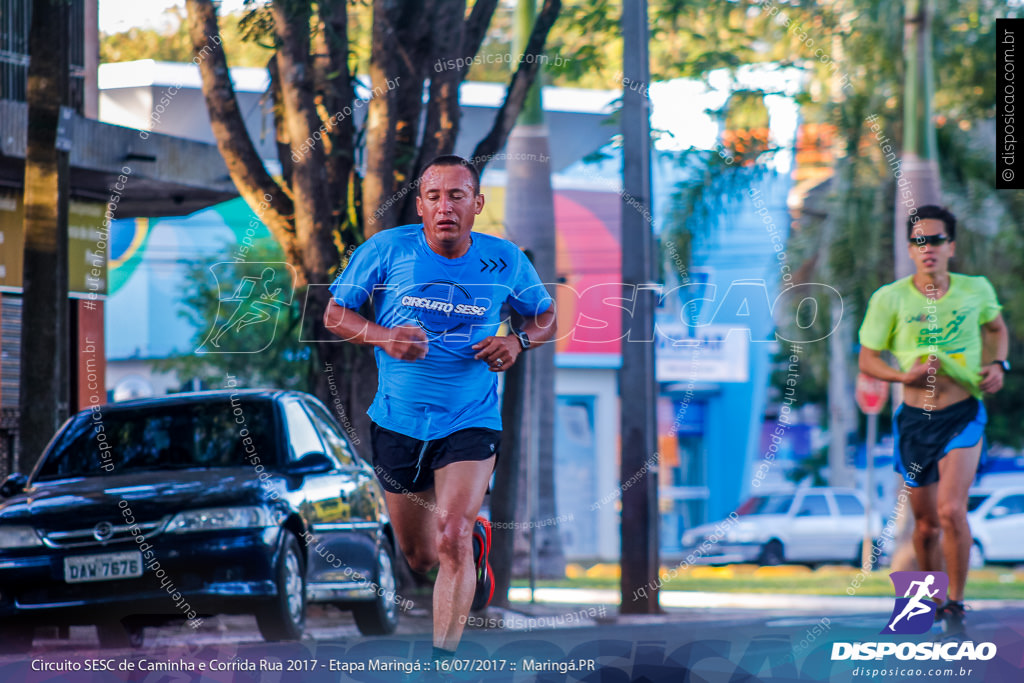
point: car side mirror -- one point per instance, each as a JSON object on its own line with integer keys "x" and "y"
{"x": 311, "y": 463}
{"x": 13, "y": 485}
{"x": 998, "y": 511}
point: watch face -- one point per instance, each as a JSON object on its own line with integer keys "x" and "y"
{"x": 524, "y": 339}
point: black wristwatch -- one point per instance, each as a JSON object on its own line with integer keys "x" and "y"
{"x": 524, "y": 339}
{"x": 1004, "y": 364}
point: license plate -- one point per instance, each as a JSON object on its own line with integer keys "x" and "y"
{"x": 105, "y": 567}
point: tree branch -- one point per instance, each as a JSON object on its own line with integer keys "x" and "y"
{"x": 380, "y": 129}
{"x": 401, "y": 35}
{"x": 314, "y": 220}
{"x": 335, "y": 83}
{"x": 476, "y": 29}
{"x": 518, "y": 87}
{"x": 442, "y": 121}
{"x": 282, "y": 144}
{"x": 244, "y": 164}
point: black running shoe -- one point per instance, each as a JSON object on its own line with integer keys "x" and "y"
{"x": 484, "y": 579}
{"x": 951, "y": 614}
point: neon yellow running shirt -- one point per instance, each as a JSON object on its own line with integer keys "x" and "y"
{"x": 906, "y": 322}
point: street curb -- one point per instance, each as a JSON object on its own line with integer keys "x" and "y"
{"x": 703, "y": 600}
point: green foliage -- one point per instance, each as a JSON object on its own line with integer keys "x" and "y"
{"x": 812, "y": 467}
{"x": 172, "y": 43}
{"x": 846, "y": 234}
{"x": 286, "y": 363}
{"x": 715, "y": 180}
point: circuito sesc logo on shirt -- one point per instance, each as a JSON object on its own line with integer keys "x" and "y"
{"x": 443, "y": 307}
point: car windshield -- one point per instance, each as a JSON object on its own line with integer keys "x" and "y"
{"x": 766, "y": 505}
{"x": 208, "y": 434}
{"x": 974, "y": 500}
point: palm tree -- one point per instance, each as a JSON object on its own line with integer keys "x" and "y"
{"x": 530, "y": 223}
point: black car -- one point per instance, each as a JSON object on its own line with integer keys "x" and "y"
{"x": 184, "y": 506}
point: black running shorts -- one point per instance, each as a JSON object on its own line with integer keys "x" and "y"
{"x": 406, "y": 465}
{"x": 923, "y": 437}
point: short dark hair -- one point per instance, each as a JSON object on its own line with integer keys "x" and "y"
{"x": 936, "y": 212}
{"x": 454, "y": 160}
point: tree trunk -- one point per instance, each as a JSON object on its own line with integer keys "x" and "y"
{"x": 530, "y": 220}
{"x": 314, "y": 222}
{"x": 43, "y": 401}
{"x": 507, "y": 479}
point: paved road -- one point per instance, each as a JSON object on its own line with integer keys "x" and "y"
{"x": 761, "y": 641}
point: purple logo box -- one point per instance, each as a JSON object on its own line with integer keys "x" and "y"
{"x": 916, "y": 595}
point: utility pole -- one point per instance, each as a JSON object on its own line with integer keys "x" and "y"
{"x": 920, "y": 159}
{"x": 43, "y": 401}
{"x": 920, "y": 169}
{"x": 639, "y": 459}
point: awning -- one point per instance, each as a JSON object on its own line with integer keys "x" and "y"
{"x": 169, "y": 176}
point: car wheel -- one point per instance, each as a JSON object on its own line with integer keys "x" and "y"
{"x": 15, "y": 640}
{"x": 380, "y": 616}
{"x": 771, "y": 554}
{"x": 284, "y": 617}
{"x": 118, "y": 635}
{"x": 977, "y": 557}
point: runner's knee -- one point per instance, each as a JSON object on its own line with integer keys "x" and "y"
{"x": 952, "y": 514}
{"x": 421, "y": 561}
{"x": 455, "y": 537}
{"x": 927, "y": 528}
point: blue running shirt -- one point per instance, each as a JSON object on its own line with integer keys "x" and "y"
{"x": 457, "y": 302}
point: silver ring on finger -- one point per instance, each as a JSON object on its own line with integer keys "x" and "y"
{"x": 498, "y": 363}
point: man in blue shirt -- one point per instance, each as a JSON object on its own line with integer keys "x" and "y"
{"x": 438, "y": 290}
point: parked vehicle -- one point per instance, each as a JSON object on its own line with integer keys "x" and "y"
{"x": 807, "y": 525}
{"x": 996, "y": 517}
{"x": 178, "y": 507}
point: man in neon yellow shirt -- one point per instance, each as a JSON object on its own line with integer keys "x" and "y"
{"x": 948, "y": 336}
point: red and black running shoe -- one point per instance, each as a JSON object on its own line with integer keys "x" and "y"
{"x": 484, "y": 578}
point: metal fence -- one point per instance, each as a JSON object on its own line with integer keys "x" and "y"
{"x": 15, "y": 23}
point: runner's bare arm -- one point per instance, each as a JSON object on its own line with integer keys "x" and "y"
{"x": 539, "y": 329}
{"x": 871, "y": 363}
{"x": 995, "y": 339}
{"x": 403, "y": 342}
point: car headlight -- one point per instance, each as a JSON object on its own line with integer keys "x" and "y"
{"x": 19, "y": 537}
{"x": 212, "y": 519}
{"x": 742, "y": 536}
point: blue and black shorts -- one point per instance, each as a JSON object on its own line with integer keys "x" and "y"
{"x": 923, "y": 437}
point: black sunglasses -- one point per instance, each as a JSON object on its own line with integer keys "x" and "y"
{"x": 930, "y": 240}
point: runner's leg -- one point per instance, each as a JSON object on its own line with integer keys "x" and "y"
{"x": 414, "y": 517}
{"x": 956, "y": 474}
{"x": 460, "y": 488}
{"x": 923, "y": 502}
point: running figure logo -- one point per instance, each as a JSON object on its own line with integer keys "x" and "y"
{"x": 914, "y": 613}
{"x": 259, "y": 291}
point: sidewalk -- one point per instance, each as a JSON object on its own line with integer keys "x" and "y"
{"x": 832, "y": 604}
